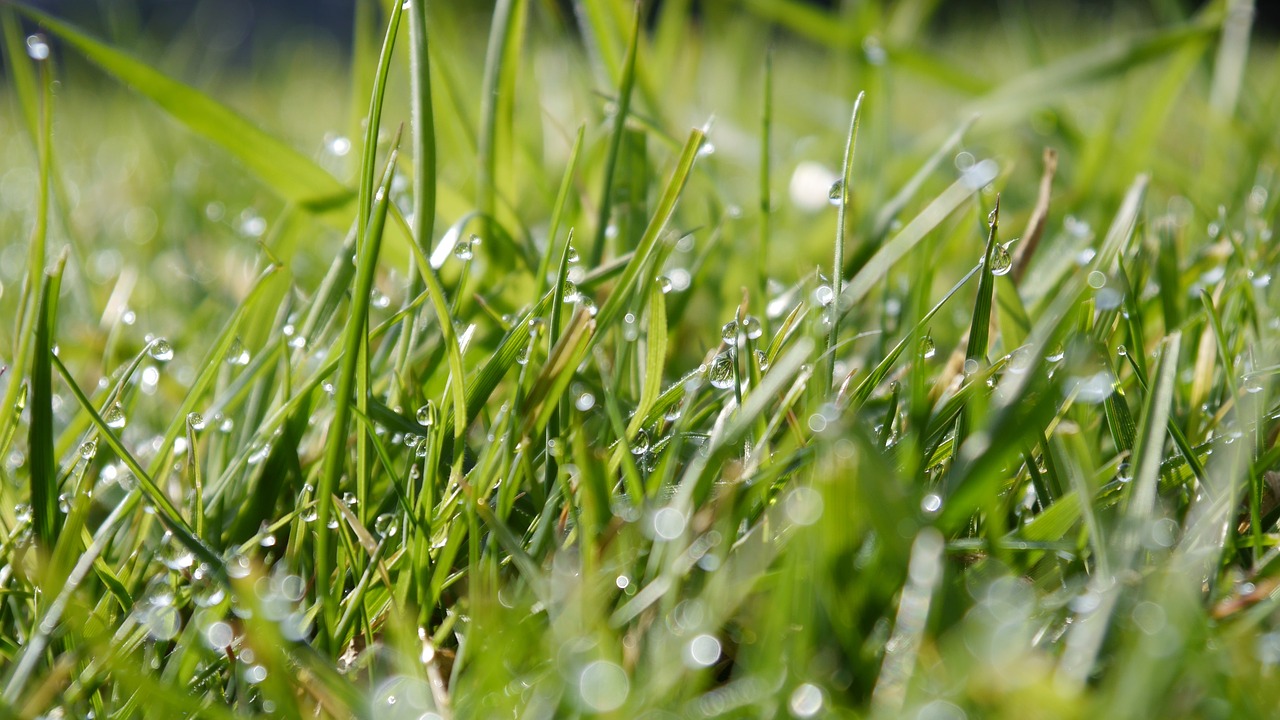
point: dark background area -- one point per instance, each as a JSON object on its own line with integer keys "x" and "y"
{"x": 227, "y": 24}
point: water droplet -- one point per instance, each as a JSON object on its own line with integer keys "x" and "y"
{"x": 1001, "y": 260}
{"x": 752, "y": 328}
{"x": 570, "y": 292}
{"x": 806, "y": 701}
{"x": 129, "y": 317}
{"x": 706, "y": 149}
{"x": 385, "y": 525}
{"x": 993, "y": 216}
{"x": 640, "y": 445}
{"x": 970, "y": 366}
{"x": 729, "y": 332}
{"x": 161, "y": 350}
{"x": 664, "y": 284}
{"x": 88, "y": 449}
{"x": 1056, "y": 354}
{"x": 427, "y": 414}
{"x": 37, "y": 47}
{"x": 603, "y": 686}
{"x": 465, "y": 249}
{"x": 702, "y": 651}
{"x": 668, "y": 523}
{"x": 237, "y": 355}
{"x": 573, "y": 256}
{"x": 195, "y": 421}
{"x": 64, "y": 503}
{"x": 721, "y": 372}
{"x": 823, "y": 295}
{"x": 1124, "y": 473}
{"x": 927, "y": 348}
{"x": 350, "y": 500}
{"x": 259, "y": 454}
{"x": 585, "y": 402}
{"x": 114, "y": 417}
{"x": 836, "y": 193}
{"x": 931, "y": 504}
{"x": 762, "y": 360}
{"x": 339, "y": 146}
{"x": 175, "y": 556}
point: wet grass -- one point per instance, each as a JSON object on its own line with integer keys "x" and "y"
{"x": 753, "y": 363}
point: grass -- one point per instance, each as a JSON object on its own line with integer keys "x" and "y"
{"x": 592, "y": 372}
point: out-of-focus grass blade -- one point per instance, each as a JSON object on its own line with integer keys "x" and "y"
{"x": 1111, "y": 59}
{"x": 285, "y": 170}
{"x": 619, "y": 297}
{"x": 557, "y": 213}
{"x": 1089, "y": 629}
{"x": 895, "y": 204}
{"x": 421, "y": 126}
{"x": 497, "y": 100}
{"x": 626, "y": 85}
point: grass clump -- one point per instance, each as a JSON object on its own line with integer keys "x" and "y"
{"x": 521, "y": 397}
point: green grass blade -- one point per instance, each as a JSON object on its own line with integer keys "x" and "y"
{"x": 626, "y": 85}
{"x": 837, "y": 267}
{"x": 335, "y": 458}
{"x": 46, "y": 520}
{"x": 285, "y": 170}
{"x": 496, "y": 100}
{"x": 613, "y": 308}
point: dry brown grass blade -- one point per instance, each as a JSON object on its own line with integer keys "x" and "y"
{"x": 1039, "y": 217}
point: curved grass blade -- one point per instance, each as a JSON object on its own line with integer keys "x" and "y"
{"x": 288, "y": 172}
{"x": 837, "y": 265}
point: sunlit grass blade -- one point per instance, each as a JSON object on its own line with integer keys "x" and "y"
{"x": 335, "y": 459}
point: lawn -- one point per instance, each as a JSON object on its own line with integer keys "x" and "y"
{"x": 732, "y": 359}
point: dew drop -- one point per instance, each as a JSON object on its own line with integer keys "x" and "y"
{"x": 752, "y": 328}
{"x": 1001, "y": 261}
{"x": 729, "y": 332}
{"x": 640, "y": 445}
{"x": 195, "y": 421}
{"x": 762, "y": 360}
{"x": 88, "y": 449}
{"x": 664, "y": 284}
{"x": 465, "y": 249}
{"x": 385, "y": 525}
{"x": 931, "y": 503}
{"x": 835, "y": 195}
{"x": 37, "y": 47}
{"x": 114, "y": 417}
{"x": 720, "y": 374}
{"x": 161, "y": 350}
{"x": 427, "y": 414}
{"x": 64, "y": 503}
{"x": 573, "y": 256}
{"x": 585, "y": 402}
{"x": 927, "y": 348}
